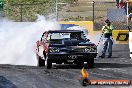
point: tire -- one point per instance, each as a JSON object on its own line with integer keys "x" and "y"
{"x": 80, "y": 64}
{"x": 90, "y": 63}
{"x": 49, "y": 64}
{"x": 41, "y": 62}
{"x": 44, "y": 54}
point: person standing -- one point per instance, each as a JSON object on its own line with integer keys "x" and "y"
{"x": 117, "y": 3}
{"x": 107, "y": 31}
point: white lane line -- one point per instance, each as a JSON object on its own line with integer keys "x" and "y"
{"x": 122, "y": 70}
{"x": 103, "y": 75}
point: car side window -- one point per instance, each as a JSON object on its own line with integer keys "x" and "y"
{"x": 83, "y": 37}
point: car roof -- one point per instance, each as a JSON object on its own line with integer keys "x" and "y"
{"x": 64, "y": 31}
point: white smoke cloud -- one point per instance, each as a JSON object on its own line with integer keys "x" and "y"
{"x": 97, "y": 38}
{"x": 18, "y": 40}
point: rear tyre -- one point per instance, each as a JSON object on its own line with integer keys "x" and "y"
{"x": 49, "y": 64}
{"x": 80, "y": 64}
{"x": 41, "y": 62}
{"x": 90, "y": 63}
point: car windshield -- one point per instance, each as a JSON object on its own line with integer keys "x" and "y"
{"x": 69, "y": 36}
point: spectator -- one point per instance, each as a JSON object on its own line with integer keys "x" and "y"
{"x": 122, "y": 4}
{"x": 117, "y": 3}
{"x": 130, "y": 17}
{"x": 75, "y": 1}
{"x": 107, "y": 31}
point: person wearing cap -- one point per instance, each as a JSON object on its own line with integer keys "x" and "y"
{"x": 107, "y": 31}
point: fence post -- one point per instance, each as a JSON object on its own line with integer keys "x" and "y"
{"x": 93, "y": 12}
{"x": 128, "y": 15}
{"x": 56, "y": 10}
{"x": 21, "y": 17}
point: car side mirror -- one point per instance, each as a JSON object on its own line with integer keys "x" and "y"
{"x": 88, "y": 40}
{"x": 41, "y": 39}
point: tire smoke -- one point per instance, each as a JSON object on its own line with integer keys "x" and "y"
{"x": 98, "y": 40}
{"x": 18, "y": 40}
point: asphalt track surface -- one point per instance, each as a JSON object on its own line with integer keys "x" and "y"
{"x": 66, "y": 76}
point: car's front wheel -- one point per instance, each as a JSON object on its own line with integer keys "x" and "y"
{"x": 49, "y": 64}
{"x": 80, "y": 64}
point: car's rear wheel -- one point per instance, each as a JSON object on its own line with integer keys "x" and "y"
{"x": 41, "y": 62}
{"x": 80, "y": 64}
{"x": 90, "y": 63}
{"x": 49, "y": 64}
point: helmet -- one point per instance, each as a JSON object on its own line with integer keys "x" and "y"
{"x": 107, "y": 21}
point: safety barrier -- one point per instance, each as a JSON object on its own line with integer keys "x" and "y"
{"x": 88, "y": 25}
{"x": 119, "y": 36}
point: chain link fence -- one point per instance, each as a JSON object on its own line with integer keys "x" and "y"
{"x": 71, "y": 10}
{"x": 118, "y": 16}
{"x": 100, "y": 12}
{"x": 95, "y": 11}
{"x": 75, "y": 11}
{"x": 27, "y": 12}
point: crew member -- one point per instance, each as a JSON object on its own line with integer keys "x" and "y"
{"x": 107, "y": 31}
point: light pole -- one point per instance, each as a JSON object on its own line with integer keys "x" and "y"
{"x": 57, "y": 8}
{"x": 128, "y": 15}
{"x": 1, "y": 8}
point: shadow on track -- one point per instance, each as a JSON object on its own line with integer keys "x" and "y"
{"x": 112, "y": 65}
{"x": 66, "y": 66}
{"x": 69, "y": 66}
{"x": 97, "y": 65}
{"x": 5, "y": 83}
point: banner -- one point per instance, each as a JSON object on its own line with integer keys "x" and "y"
{"x": 120, "y": 36}
{"x": 87, "y": 26}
